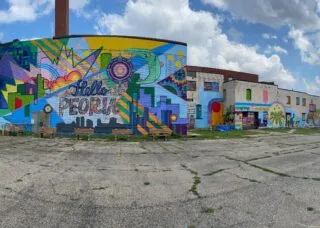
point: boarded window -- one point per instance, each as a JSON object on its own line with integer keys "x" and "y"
{"x": 198, "y": 111}
{"x": 192, "y": 86}
{"x": 211, "y": 86}
{"x": 288, "y": 100}
{"x": 304, "y": 102}
{"x": 297, "y": 100}
{"x": 248, "y": 94}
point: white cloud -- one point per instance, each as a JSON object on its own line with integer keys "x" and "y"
{"x": 312, "y": 87}
{"x": 269, "y": 36}
{"x": 235, "y": 34}
{"x": 274, "y": 13}
{"x": 280, "y": 50}
{"x": 275, "y": 49}
{"x": 308, "y": 45}
{"x": 30, "y": 10}
{"x": 207, "y": 44}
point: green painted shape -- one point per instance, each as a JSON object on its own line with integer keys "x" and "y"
{"x": 108, "y": 81}
{"x": 133, "y": 86}
{"x": 168, "y": 101}
{"x": 153, "y": 63}
{"x": 25, "y": 99}
{"x": 21, "y": 89}
{"x": 4, "y": 112}
{"x": 105, "y": 59}
{"x": 27, "y": 111}
{"x": 11, "y": 100}
{"x": 171, "y": 89}
{"x": 40, "y": 86}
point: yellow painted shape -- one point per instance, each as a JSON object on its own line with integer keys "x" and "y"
{"x": 217, "y": 117}
{"x": 149, "y": 125}
{"x": 11, "y": 89}
{"x": 180, "y": 54}
{"x": 141, "y": 130}
{"x": 123, "y": 104}
{"x": 124, "y": 116}
{"x": 121, "y": 43}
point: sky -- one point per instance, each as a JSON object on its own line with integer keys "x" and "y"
{"x": 277, "y": 39}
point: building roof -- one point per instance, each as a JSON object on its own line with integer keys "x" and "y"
{"x": 226, "y": 73}
{"x": 132, "y": 37}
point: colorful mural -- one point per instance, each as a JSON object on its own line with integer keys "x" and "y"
{"x": 94, "y": 82}
{"x": 276, "y": 115}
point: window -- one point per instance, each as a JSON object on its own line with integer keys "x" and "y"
{"x": 224, "y": 94}
{"x": 248, "y": 94}
{"x": 303, "y": 116}
{"x": 192, "y": 85}
{"x": 304, "y": 102}
{"x": 191, "y": 74}
{"x": 297, "y": 100}
{"x": 198, "y": 111}
{"x": 288, "y": 100}
{"x": 211, "y": 86}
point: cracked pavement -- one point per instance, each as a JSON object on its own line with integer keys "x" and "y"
{"x": 265, "y": 181}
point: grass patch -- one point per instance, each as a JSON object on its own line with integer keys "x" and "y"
{"x": 307, "y": 131}
{"x": 280, "y": 130}
{"x": 211, "y": 134}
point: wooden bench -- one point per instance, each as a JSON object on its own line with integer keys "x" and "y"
{"x": 159, "y": 133}
{"x": 47, "y": 132}
{"x": 83, "y": 131}
{"x": 121, "y": 132}
{"x": 15, "y": 129}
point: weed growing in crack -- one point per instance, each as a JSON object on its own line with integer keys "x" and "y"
{"x": 208, "y": 210}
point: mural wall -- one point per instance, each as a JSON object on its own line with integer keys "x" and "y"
{"x": 94, "y": 82}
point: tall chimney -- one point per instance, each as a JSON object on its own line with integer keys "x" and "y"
{"x": 62, "y": 18}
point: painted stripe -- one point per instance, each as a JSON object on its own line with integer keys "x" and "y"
{"x": 127, "y": 96}
{"x": 141, "y": 130}
{"x": 52, "y": 46}
{"x": 123, "y": 104}
{"x": 47, "y": 53}
{"x": 125, "y": 117}
{"x": 149, "y": 125}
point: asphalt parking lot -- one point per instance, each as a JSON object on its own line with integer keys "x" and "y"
{"x": 265, "y": 181}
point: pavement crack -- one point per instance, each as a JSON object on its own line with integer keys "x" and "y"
{"x": 271, "y": 171}
{"x": 245, "y": 178}
{"x": 258, "y": 158}
{"x": 196, "y": 181}
{"x": 214, "y": 172}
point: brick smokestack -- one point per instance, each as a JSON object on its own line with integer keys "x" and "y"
{"x": 62, "y": 18}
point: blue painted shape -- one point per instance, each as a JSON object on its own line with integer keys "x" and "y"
{"x": 252, "y": 104}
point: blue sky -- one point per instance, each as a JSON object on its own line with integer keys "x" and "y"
{"x": 277, "y": 39}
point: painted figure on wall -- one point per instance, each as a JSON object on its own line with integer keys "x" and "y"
{"x": 277, "y": 115}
